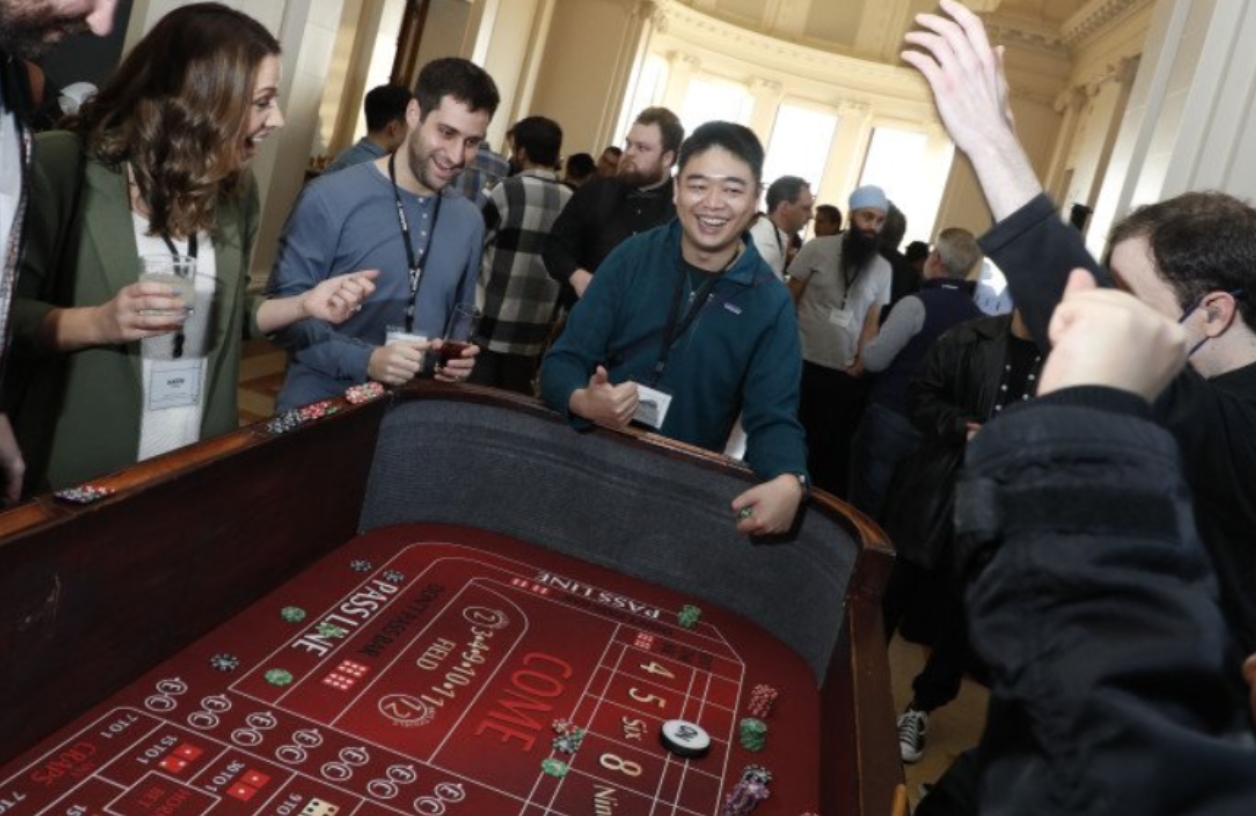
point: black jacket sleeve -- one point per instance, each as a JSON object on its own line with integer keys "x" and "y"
{"x": 1115, "y": 683}
{"x": 565, "y": 247}
{"x": 1037, "y": 251}
{"x": 931, "y": 394}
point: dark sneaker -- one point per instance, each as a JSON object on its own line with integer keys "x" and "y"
{"x": 912, "y": 727}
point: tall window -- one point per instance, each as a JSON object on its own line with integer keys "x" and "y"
{"x": 800, "y": 144}
{"x": 898, "y": 162}
{"x": 710, "y": 99}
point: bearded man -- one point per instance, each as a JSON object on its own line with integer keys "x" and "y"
{"x": 840, "y": 284}
{"x": 606, "y": 211}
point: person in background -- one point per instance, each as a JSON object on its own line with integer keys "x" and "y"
{"x": 578, "y": 170}
{"x": 789, "y": 203}
{"x": 608, "y": 162}
{"x": 828, "y": 221}
{"x": 385, "y": 127}
{"x": 481, "y": 174}
{"x": 606, "y": 211}
{"x": 840, "y": 284}
{"x": 157, "y": 162}
{"x": 906, "y": 278}
{"x": 27, "y": 30}
{"x": 520, "y": 299}
{"x": 885, "y": 435}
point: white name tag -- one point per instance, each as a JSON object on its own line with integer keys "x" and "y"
{"x": 652, "y": 406}
{"x": 175, "y": 383}
{"x": 841, "y": 317}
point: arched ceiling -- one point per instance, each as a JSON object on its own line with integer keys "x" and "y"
{"x": 873, "y": 29}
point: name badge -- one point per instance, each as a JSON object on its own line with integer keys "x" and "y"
{"x": 175, "y": 383}
{"x": 842, "y": 318}
{"x": 652, "y": 406}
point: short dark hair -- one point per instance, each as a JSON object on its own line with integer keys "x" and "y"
{"x": 614, "y": 150}
{"x": 785, "y": 189}
{"x": 580, "y": 166}
{"x": 895, "y": 228}
{"x": 736, "y": 139}
{"x": 541, "y": 137}
{"x": 830, "y": 212}
{"x": 462, "y": 79}
{"x": 1200, "y": 242}
{"x": 669, "y": 126}
{"x": 916, "y": 251}
{"x": 384, "y": 104}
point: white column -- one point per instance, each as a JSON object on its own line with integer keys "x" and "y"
{"x": 768, "y": 95}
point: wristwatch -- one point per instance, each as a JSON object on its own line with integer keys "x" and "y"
{"x": 805, "y": 484}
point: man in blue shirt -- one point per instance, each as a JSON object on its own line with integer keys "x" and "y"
{"x": 685, "y": 325}
{"x": 385, "y": 108}
{"x": 393, "y": 214}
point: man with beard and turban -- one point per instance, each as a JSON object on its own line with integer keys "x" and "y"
{"x": 606, "y": 211}
{"x": 28, "y": 28}
{"x": 840, "y": 284}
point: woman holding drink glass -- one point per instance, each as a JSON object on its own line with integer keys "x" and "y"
{"x": 119, "y": 356}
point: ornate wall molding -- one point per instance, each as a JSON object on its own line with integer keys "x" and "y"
{"x": 1097, "y": 17}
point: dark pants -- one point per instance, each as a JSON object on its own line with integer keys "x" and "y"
{"x": 883, "y": 439}
{"x": 513, "y": 372}
{"x": 830, "y": 406}
{"x": 914, "y": 596}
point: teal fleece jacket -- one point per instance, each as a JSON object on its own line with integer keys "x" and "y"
{"x": 740, "y": 354}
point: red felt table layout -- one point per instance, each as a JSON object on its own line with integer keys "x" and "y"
{"x": 424, "y": 677}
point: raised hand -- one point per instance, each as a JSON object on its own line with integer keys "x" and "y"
{"x": 971, "y": 93}
{"x": 1108, "y": 337}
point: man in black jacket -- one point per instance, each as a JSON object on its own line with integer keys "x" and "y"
{"x": 604, "y": 212}
{"x": 1089, "y": 595}
{"x": 1192, "y": 258}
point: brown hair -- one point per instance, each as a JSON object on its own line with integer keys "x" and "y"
{"x": 177, "y": 109}
{"x": 670, "y": 128}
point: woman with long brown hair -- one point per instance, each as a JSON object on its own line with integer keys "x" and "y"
{"x": 113, "y": 369}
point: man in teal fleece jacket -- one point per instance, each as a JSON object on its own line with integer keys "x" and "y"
{"x": 685, "y": 326}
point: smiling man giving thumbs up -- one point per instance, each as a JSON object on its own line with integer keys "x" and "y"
{"x": 685, "y": 326}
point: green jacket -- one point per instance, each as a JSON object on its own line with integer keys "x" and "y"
{"x": 77, "y": 415}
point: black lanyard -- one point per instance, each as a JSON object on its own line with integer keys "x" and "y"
{"x": 677, "y": 325}
{"x": 849, "y": 280}
{"x": 179, "y": 336}
{"x": 415, "y": 264}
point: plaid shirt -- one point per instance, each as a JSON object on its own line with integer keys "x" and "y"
{"x": 517, "y": 294}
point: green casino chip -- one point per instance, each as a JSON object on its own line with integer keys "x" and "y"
{"x": 554, "y": 767}
{"x": 279, "y": 677}
{"x": 292, "y": 614}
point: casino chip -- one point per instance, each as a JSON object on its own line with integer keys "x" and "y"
{"x": 292, "y": 614}
{"x": 224, "y": 662}
{"x": 688, "y": 616}
{"x": 394, "y": 577}
{"x": 331, "y": 630}
{"x": 278, "y": 677}
{"x": 762, "y": 699}
{"x": 754, "y": 734}
{"x": 554, "y": 767}
{"x": 285, "y": 422}
{"x": 360, "y": 565}
{"x": 684, "y": 739}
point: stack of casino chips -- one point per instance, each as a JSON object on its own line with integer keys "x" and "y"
{"x": 762, "y": 698}
{"x": 748, "y": 793}
{"x": 754, "y": 734}
{"x": 569, "y": 736}
{"x": 688, "y": 616}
